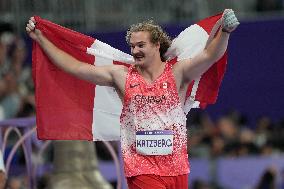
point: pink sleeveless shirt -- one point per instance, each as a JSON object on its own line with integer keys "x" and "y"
{"x": 149, "y": 107}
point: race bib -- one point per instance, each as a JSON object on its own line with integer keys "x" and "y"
{"x": 157, "y": 142}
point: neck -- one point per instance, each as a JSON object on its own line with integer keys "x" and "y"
{"x": 153, "y": 71}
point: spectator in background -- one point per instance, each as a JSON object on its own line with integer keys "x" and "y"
{"x": 22, "y": 75}
{"x": 231, "y": 136}
{"x": 15, "y": 183}
{"x": 267, "y": 136}
{"x": 268, "y": 179}
{"x": 201, "y": 128}
{"x": 276, "y": 135}
{"x": 199, "y": 184}
{"x": 262, "y": 131}
{"x": 217, "y": 146}
{"x": 16, "y": 86}
{"x": 229, "y": 132}
{"x": 282, "y": 179}
{"x": 10, "y": 99}
{"x": 246, "y": 140}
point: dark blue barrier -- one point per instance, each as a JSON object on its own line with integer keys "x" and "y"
{"x": 200, "y": 169}
{"x": 236, "y": 173}
{"x": 229, "y": 173}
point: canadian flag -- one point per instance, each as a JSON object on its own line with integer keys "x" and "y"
{"x": 68, "y": 108}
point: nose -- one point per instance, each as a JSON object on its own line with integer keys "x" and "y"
{"x": 134, "y": 50}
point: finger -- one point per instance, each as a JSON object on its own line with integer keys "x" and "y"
{"x": 28, "y": 29}
{"x": 33, "y": 19}
{"x": 234, "y": 25}
{"x": 31, "y": 23}
{"x": 231, "y": 21}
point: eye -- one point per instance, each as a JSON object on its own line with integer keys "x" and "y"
{"x": 141, "y": 45}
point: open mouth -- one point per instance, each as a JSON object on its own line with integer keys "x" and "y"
{"x": 138, "y": 57}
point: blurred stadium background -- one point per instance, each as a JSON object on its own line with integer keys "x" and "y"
{"x": 238, "y": 143}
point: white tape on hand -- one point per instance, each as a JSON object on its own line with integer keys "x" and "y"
{"x": 230, "y": 21}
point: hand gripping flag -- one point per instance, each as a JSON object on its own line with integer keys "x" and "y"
{"x": 68, "y": 108}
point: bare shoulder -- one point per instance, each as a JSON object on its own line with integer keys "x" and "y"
{"x": 119, "y": 70}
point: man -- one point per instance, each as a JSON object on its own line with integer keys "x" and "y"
{"x": 153, "y": 123}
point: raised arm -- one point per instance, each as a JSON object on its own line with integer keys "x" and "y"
{"x": 193, "y": 68}
{"x": 101, "y": 75}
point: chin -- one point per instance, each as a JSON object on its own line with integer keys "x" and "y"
{"x": 139, "y": 63}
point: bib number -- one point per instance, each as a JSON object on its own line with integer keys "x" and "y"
{"x": 157, "y": 142}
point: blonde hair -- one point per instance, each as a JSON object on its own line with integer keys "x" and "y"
{"x": 157, "y": 35}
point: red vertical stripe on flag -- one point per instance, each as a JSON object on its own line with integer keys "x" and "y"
{"x": 64, "y": 103}
{"x": 210, "y": 81}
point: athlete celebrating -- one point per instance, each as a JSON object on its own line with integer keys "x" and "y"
{"x": 153, "y": 90}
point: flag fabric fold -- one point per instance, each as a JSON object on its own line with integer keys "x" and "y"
{"x": 68, "y": 108}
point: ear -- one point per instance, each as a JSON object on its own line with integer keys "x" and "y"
{"x": 158, "y": 45}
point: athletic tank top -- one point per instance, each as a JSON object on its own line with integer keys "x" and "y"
{"x": 148, "y": 107}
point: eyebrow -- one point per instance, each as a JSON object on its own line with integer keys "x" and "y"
{"x": 140, "y": 42}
